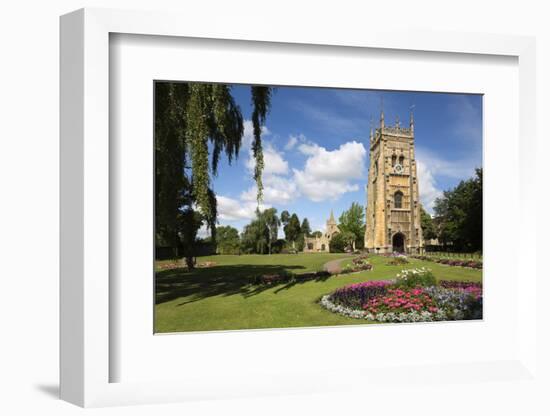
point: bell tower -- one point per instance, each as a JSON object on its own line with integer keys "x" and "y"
{"x": 393, "y": 206}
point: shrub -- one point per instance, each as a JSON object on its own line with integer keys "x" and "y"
{"x": 422, "y": 277}
{"x": 398, "y": 261}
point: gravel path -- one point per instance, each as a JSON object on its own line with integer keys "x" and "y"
{"x": 333, "y": 266}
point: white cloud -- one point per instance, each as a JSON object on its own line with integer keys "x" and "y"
{"x": 292, "y": 141}
{"x": 230, "y": 209}
{"x": 327, "y": 174}
{"x": 248, "y": 133}
{"x": 203, "y": 232}
{"x": 278, "y": 190}
{"x": 427, "y": 186}
{"x": 274, "y": 163}
{"x": 456, "y": 169}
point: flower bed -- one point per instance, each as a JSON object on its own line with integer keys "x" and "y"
{"x": 358, "y": 264}
{"x": 355, "y": 296}
{"x": 473, "y": 264}
{"x": 412, "y": 297}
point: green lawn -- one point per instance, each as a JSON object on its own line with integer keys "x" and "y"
{"x": 221, "y": 297}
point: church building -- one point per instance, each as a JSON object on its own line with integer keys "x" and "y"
{"x": 393, "y": 205}
{"x": 321, "y": 244}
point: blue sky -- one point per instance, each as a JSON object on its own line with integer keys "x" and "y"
{"x": 316, "y": 149}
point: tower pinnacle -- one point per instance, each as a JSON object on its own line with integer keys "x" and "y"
{"x": 381, "y": 112}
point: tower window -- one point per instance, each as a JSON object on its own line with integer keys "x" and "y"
{"x": 393, "y": 160}
{"x": 398, "y": 199}
{"x": 401, "y": 160}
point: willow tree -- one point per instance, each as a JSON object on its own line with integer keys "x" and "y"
{"x": 195, "y": 124}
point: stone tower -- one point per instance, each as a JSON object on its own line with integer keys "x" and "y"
{"x": 393, "y": 206}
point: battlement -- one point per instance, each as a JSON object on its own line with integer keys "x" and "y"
{"x": 397, "y": 131}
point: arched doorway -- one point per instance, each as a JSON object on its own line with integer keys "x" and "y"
{"x": 398, "y": 243}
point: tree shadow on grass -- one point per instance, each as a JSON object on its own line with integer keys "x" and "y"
{"x": 291, "y": 284}
{"x": 203, "y": 283}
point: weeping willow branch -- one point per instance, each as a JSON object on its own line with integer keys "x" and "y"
{"x": 197, "y": 137}
{"x": 261, "y": 100}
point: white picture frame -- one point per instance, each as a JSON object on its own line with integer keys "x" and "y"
{"x": 86, "y": 355}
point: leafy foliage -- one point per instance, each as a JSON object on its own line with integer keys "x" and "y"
{"x": 427, "y": 224}
{"x": 305, "y": 228}
{"x": 292, "y": 229}
{"x": 337, "y": 243}
{"x": 410, "y": 278}
{"x": 228, "y": 240}
{"x": 195, "y": 123}
{"x": 352, "y": 222}
{"x": 261, "y": 101}
{"x": 459, "y": 213}
{"x": 261, "y": 234}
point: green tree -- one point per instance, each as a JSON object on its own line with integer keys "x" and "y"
{"x": 261, "y": 234}
{"x": 292, "y": 230}
{"x": 194, "y": 124}
{"x": 228, "y": 240}
{"x": 316, "y": 234}
{"x": 285, "y": 218}
{"x": 271, "y": 222}
{"x": 459, "y": 213}
{"x": 337, "y": 243}
{"x": 305, "y": 228}
{"x": 353, "y": 221}
{"x": 427, "y": 224}
{"x": 254, "y": 237}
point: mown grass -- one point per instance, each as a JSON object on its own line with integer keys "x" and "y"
{"x": 222, "y": 297}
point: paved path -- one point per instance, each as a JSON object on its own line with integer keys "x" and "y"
{"x": 333, "y": 266}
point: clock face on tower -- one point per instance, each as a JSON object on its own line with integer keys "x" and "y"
{"x": 398, "y": 168}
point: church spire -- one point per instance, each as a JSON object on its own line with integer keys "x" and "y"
{"x": 381, "y": 112}
{"x": 411, "y": 122}
{"x": 331, "y": 220}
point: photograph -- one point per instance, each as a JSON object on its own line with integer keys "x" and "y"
{"x": 295, "y": 207}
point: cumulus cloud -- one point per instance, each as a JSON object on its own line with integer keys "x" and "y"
{"x": 274, "y": 162}
{"x": 248, "y": 133}
{"x": 230, "y": 209}
{"x": 427, "y": 186}
{"x": 328, "y": 174}
{"x": 292, "y": 141}
{"x": 277, "y": 190}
